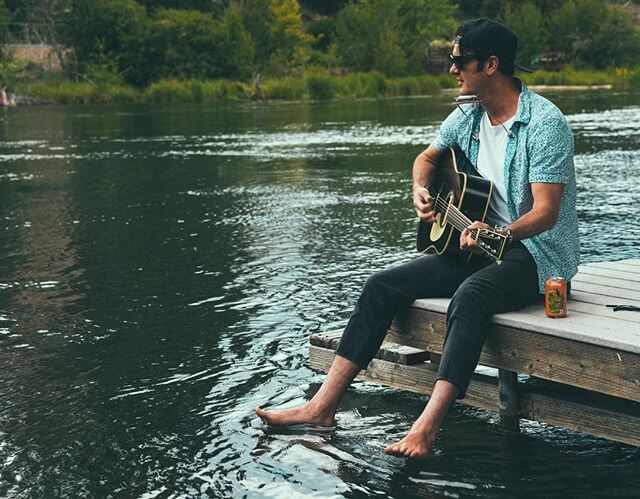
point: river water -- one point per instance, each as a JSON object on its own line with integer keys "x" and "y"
{"x": 161, "y": 270}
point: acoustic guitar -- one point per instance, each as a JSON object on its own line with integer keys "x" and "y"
{"x": 461, "y": 196}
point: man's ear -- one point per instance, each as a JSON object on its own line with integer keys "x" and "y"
{"x": 492, "y": 64}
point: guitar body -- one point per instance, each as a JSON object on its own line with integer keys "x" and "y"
{"x": 457, "y": 181}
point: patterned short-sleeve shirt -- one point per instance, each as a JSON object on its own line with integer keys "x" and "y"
{"x": 540, "y": 149}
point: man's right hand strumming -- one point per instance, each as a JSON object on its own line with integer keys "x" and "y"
{"x": 423, "y": 203}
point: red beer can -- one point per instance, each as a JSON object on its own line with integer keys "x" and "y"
{"x": 555, "y": 297}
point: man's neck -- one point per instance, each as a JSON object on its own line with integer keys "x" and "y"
{"x": 501, "y": 100}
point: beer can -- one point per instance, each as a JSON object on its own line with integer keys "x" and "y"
{"x": 555, "y": 297}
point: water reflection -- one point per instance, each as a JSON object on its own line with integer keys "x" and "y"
{"x": 161, "y": 270}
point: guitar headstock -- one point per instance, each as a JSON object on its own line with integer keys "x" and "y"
{"x": 492, "y": 242}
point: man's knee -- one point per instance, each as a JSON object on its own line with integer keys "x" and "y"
{"x": 385, "y": 289}
{"x": 468, "y": 300}
{"x": 375, "y": 287}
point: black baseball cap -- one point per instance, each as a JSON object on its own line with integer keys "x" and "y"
{"x": 486, "y": 37}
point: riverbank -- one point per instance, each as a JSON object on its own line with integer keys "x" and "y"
{"x": 309, "y": 86}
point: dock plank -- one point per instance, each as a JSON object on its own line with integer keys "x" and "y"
{"x": 622, "y": 265}
{"x": 597, "y": 415}
{"x": 589, "y": 366}
{"x": 393, "y": 352}
{"x": 610, "y": 282}
{"x": 604, "y": 290}
{"x": 606, "y": 273}
{"x": 608, "y": 332}
{"x": 574, "y": 326}
{"x": 597, "y": 299}
{"x": 603, "y": 311}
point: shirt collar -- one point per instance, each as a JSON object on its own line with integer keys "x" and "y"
{"x": 523, "y": 114}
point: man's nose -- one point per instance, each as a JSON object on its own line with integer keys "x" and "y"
{"x": 453, "y": 70}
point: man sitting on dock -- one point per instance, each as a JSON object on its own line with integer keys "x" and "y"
{"x": 523, "y": 144}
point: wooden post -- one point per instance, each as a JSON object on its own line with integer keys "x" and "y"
{"x": 509, "y": 400}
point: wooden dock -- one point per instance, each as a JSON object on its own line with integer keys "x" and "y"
{"x": 583, "y": 370}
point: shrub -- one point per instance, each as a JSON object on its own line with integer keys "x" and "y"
{"x": 321, "y": 86}
{"x": 284, "y": 89}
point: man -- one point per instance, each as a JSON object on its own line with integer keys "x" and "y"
{"x": 522, "y": 143}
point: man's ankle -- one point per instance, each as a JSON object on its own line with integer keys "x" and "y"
{"x": 423, "y": 427}
{"x": 318, "y": 409}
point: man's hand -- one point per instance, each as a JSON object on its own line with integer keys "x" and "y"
{"x": 468, "y": 238}
{"x": 423, "y": 203}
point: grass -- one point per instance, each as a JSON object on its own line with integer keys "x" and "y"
{"x": 311, "y": 85}
{"x": 569, "y": 77}
{"x": 67, "y": 92}
{"x": 199, "y": 91}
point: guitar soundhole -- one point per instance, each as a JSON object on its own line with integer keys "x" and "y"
{"x": 438, "y": 228}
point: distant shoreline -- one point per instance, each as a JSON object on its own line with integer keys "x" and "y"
{"x": 550, "y": 88}
{"x": 309, "y": 86}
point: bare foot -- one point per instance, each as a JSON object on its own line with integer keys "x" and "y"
{"x": 298, "y": 415}
{"x": 417, "y": 444}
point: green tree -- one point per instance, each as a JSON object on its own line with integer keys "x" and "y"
{"x": 616, "y": 42}
{"x": 257, "y": 18}
{"x": 235, "y": 45}
{"x": 594, "y": 34}
{"x": 388, "y": 55}
{"x": 189, "y": 42}
{"x": 324, "y": 32}
{"x": 112, "y": 34}
{"x": 33, "y": 21}
{"x": 201, "y": 5}
{"x": 571, "y": 25}
{"x": 422, "y": 21}
{"x": 290, "y": 43}
{"x": 391, "y": 35}
{"x": 325, "y": 7}
{"x": 5, "y": 19}
{"x": 526, "y": 21}
{"x": 357, "y": 34}
{"x": 275, "y": 26}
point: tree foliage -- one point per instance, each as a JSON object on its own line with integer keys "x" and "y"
{"x": 279, "y": 40}
{"x": 235, "y": 48}
{"x": 526, "y": 21}
{"x": 114, "y": 33}
{"x": 189, "y": 43}
{"x": 391, "y": 35}
{"x": 595, "y": 34}
{"x": 141, "y": 41}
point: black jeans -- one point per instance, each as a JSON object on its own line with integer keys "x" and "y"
{"x": 480, "y": 288}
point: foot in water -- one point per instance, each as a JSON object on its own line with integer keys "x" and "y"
{"x": 297, "y": 416}
{"x": 417, "y": 444}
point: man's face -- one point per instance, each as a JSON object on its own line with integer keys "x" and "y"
{"x": 469, "y": 77}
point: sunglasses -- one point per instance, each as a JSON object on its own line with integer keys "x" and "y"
{"x": 460, "y": 60}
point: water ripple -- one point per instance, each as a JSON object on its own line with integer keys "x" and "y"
{"x": 159, "y": 282}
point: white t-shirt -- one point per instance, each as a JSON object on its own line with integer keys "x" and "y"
{"x": 493, "y": 146}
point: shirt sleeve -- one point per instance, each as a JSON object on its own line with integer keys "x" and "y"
{"x": 448, "y": 133}
{"x": 551, "y": 151}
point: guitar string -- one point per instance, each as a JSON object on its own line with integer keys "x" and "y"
{"x": 454, "y": 210}
{"x": 456, "y": 215}
{"x": 460, "y": 218}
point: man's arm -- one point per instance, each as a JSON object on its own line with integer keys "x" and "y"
{"x": 542, "y": 216}
{"x": 424, "y": 170}
{"x": 544, "y": 213}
